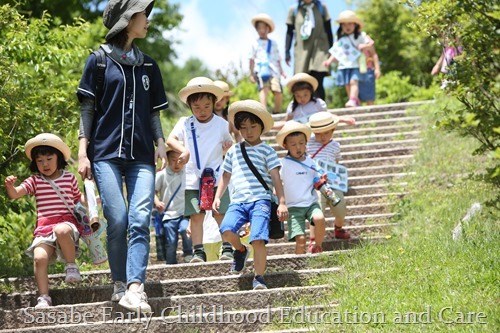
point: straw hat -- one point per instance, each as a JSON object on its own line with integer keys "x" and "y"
{"x": 263, "y": 18}
{"x": 322, "y": 121}
{"x": 254, "y": 107}
{"x": 302, "y": 77}
{"x": 200, "y": 84}
{"x": 118, "y": 13}
{"x": 290, "y": 127}
{"x": 225, "y": 88}
{"x": 47, "y": 139}
{"x": 348, "y": 16}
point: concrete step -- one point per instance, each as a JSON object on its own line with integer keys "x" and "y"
{"x": 161, "y": 306}
{"x": 375, "y": 188}
{"x": 377, "y": 170}
{"x": 169, "y": 287}
{"x": 362, "y": 163}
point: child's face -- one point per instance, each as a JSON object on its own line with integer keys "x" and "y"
{"x": 262, "y": 29}
{"x": 203, "y": 109}
{"x": 220, "y": 105}
{"x": 173, "y": 159}
{"x": 302, "y": 96}
{"x": 324, "y": 137}
{"x": 250, "y": 131}
{"x": 47, "y": 165}
{"x": 296, "y": 145}
{"x": 348, "y": 27}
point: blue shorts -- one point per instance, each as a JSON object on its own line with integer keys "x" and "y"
{"x": 367, "y": 86}
{"x": 257, "y": 213}
{"x": 346, "y": 75}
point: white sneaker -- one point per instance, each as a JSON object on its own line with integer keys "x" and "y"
{"x": 44, "y": 301}
{"x": 119, "y": 290}
{"x": 72, "y": 273}
{"x": 136, "y": 300}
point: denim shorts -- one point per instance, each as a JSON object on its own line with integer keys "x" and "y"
{"x": 346, "y": 75}
{"x": 257, "y": 213}
{"x": 367, "y": 86}
{"x": 297, "y": 219}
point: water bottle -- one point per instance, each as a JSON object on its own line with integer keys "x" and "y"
{"x": 321, "y": 185}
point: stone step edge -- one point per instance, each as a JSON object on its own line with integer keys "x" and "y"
{"x": 376, "y": 159}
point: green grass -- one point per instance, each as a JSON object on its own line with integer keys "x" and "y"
{"x": 421, "y": 276}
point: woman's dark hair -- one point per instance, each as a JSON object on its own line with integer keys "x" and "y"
{"x": 46, "y": 150}
{"x": 357, "y": 31}
{"x": 225, "y": 111}
{"x": 120, "y": 39}
{"x": 241, "y": 116}
{"x": 301, "y": 85}
{"x": 197, "y": 96}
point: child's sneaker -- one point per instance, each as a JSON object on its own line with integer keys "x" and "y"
{"x": 259, "y": 283}
{"x": 311, "y": 247}
{"x": 199, "y": 256}
{"x": 188, "y": 258}
{"x": 352, "y": 102}
{"x": 43, "y": 301}
{"x": 136, "y": 300}
{"x": 119, "y": 290}
{"x": 316, "y": 249}
{"x": 227, "y": 253}
{"x": 240, "y": 259}
{"x": 340, "y": 233}
{"x": 72, "y": 273}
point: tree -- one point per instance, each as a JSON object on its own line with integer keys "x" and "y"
{"x": 475, "y": 78}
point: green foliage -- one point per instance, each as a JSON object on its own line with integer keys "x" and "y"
{"x": 394, "y": 88}
{"x": 399, "y": 45}
{"x": 475, "y": 80}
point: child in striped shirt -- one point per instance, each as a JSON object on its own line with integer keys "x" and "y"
{"x": 57, "y": 232}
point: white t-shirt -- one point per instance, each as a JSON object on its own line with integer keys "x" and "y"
{"x": 303, "y": 112}
{"x": 259, "y": 54}
{"x": 355, "y": 42}
{"x": 209, "y": 139}
{"x": 298, "y": 182}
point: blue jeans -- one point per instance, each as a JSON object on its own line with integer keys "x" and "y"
{"x": 126, "y": 217}
{"x": 172, "y": 229}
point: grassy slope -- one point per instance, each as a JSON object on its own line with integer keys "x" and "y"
{"x": 421, "y": 269}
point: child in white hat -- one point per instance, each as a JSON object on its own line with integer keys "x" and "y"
{"x": 250, "y": 201}
{"x": 322, "y": 146}
{"x": 265, "y": 62}
{"x": 56, "y": 192}
{"x": 205, "y": 137}
{"x": 299, "y": 174}
{"x": 346, "y": 51}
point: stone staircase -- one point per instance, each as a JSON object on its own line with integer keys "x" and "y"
{"x": 204, "y": 297}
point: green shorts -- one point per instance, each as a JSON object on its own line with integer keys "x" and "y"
{"x": 192, "y": 208}
{"x": 297, "y": 217}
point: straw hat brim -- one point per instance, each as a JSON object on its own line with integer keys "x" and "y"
{"x": 302, "y": 77}
{"x": 254, "y": 107}
{"x": 348, "y": 16}
{"x": 201, "y": 88}
{"x": 328, "y": 124}
{"x": 292, "y": 127}
{"x": 47, "y": 139}
{"x": 264, "y": 18}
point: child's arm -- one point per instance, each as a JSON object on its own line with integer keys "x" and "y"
{"x": 376, "y": 63}
{"x": 174, "y": 143}
{"x": 347, "y": 120}
{"x": 437, "y": 67}
{"x": 223, "y": 183}
{"x": 278, "y": 188}
{"x": 282, "y": 72}
{"x": 252, "y": 68}
{"x": 329, "y": 61}
{"x": 14, "y": 192}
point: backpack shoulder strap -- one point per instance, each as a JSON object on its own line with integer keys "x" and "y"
{"x": 317, "y": 3}
{"x": 100, "y": 72}
{"x": 148, "y": 64}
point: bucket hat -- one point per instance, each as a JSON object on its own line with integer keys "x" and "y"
{"x": 302, "y": 77}
{"x": 225, "y": 88}
{"x": 292, "y": 127}
{"x": 118, "y": 13}
{"x": 200, "y": 84}
{"x": 47, "y": 139}
{"x": 264, "y": 18}
{"x": 349, "y": 16}
{"x": 254, "y": 107}
{"x": 322, "y": 121}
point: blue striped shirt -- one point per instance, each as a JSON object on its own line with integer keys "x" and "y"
{"x": 245, "y": 186}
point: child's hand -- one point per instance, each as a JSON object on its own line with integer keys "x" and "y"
{"x": 252, "y": 78}
{"x": 160, "y": 207}
{"x": 377, "y": 73}
{"x": 282, "y": 212}
{"x": 216, "y": 205}
{"x": 349, "y": 121}
{"x": 326, "y": 63}
{"x": 10, "y": 181}
{"x": 227, "y": 144}
{"x": 183, "y": 157}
